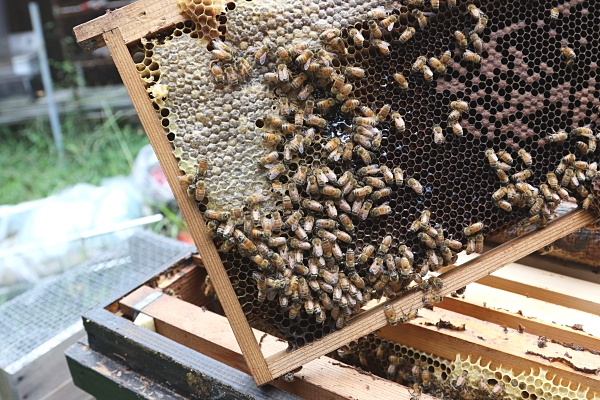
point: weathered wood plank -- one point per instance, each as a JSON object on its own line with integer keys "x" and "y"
{"x": 532, "y": 325}
{"x": 319, "y": 379}
{"x": 454, "y": 279}
{"x": 136, "y": 20}
{"x": 547, "y": 286}
{"x": 176, "y": 367}
{"x": 210, "y": 257}
{"x": 491, "y": 343}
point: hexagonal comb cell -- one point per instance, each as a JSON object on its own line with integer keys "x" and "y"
{"x": 341, "y": 150}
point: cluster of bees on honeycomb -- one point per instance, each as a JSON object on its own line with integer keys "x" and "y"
{"x": 383, "y": 139}
{"x": 445, "y": 379}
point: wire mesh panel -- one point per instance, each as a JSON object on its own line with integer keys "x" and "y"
{"x": 30, "y": 320}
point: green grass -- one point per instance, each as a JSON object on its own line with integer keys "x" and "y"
{"x": 29, "y": 164}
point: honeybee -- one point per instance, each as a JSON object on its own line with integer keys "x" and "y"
{"x": 216, "y": 215}
{"x": 559, "y": 136}
{"x": 303, "y": 59}
{"x": 364, "y": 211}
{"x": 243, "y": 68}
{"x": 473, "y": 228}
{"x": 437, "y": 65}
{"x": 477, "y": 42}
{"x": 427, "y": 74}
{"x": 374, "y": 182}
{"x": 365, "y": 254}
{"x": 305, "y": 92}
{"x": 222, "y": 52}
{"x": 312, "y": 205}
{"x": 293, "y": 220}
{"x": 390, "y": 314}
{"x": 521, "y": 176}
{"x": 388, "y": 23}
{"x": 315, "y": 120}
{"x": 271, "y": 77}
{"x": 325, "y": 105}
{"x": 569, "y": 55}
{"x": 585, "y": 132}
{"x": 461, "y": 39}
{"x": 525, "y": 157}
{"x": 450, "y": 4}
{"x": 554, "y": 13}
{"x": 232, "y": 77}
{"x": 337, "y": 45}
{"x": 433, "y": 260}
{"x": 469, "y": 56}
{"x": 506, "y": 157}
{"x": 435, "y": 5}
{"x": 357, "y": 37}
{"x": 537, "y": 206}
{"x": 585, "y": 204}
{"x": 398, "y": 176}
{"x": 261, "y": 53}
{"x": 298, "y": 81}
{"x": 383, "y": 112}
{"x": 398, "y": 77}
{"x": 350, "y": 105}
{"x": 438, "y": 135}
{"x": 217, "y": 71}
{"x": 420, "y": 17}
{"x": 474, "y": 11}
{"x": 381, "y": 210}
{"x": 283, "y": 73}
{"x": 429, "y": 299}
{"x": 427, "y": 240}
{"x": 481, "y": 24}
{"x": 329, "y": 34}
{"x": 457, "y": 129}
{"x": 244, "y": 244}
{"x": 399, "y": 122}
{"x": 502, "y": 176}
{"x": 460, "y": 381}
{"x": 382, "y": 46}
{"x": 367, "y": 121}
{"x": 591, "y": 145}
{"x": 417, "y": 66}
{"x": 276, "y": 171}
{"x": 374, "y": 30}
{"x": 407, "y": 34}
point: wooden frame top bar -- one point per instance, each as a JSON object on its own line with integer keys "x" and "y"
{"x": 135, "y": 21}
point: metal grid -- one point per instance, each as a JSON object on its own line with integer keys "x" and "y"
{"x": 30, "y": 320}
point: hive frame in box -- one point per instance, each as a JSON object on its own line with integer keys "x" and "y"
{"x": 129, "y": 24}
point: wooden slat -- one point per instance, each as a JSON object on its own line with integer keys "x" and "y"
{"x": 136, "y": 20}
{"x": 192, "y": 216}
{"x": 471, "y": 271}
{"x": 547, "y": 286}
{"x": 491, "y": 343}
{"x": 533, "y": 323}
{"x": 211, "y": 335}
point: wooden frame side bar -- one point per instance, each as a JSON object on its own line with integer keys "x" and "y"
{"x": 210, "y": 334}
{"x": 210, "y": 257}
{"x": 454, "y": 279}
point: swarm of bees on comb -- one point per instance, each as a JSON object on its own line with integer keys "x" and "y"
{"x": 376, "y": 142}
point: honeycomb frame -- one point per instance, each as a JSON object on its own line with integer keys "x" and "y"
{"x": 156, "y": 91}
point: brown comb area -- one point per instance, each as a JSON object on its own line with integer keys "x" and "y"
{"x": 520, "y": 94}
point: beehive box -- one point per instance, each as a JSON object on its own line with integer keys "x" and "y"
{"x": 489, "y": 336}
{"x": 315, "y": 137}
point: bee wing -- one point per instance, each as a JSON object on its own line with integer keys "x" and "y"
{"x": 263, "y": 58}
{"x": 307, "y": 64}
{"x": 390, "y": 27}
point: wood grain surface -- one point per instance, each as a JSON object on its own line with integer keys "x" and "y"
{"x": 210, "y": 256}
